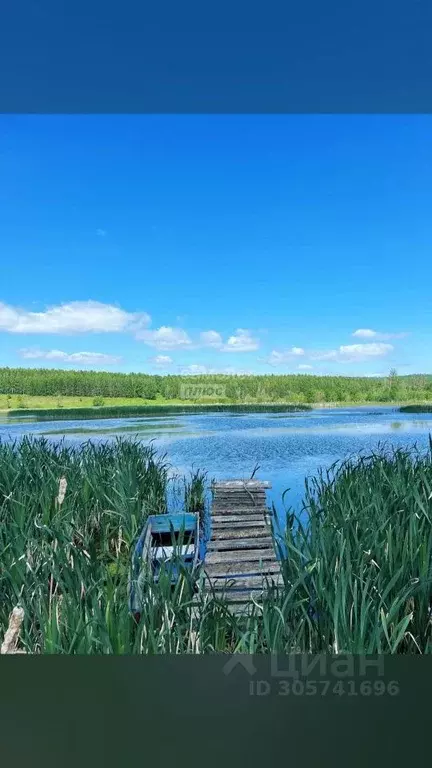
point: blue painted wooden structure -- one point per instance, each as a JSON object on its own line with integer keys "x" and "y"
{"x": 167, "y": 542}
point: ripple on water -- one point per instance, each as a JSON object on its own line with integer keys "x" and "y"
{"x": 287, "y": 447}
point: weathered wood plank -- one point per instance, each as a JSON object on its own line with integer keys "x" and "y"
{"x": 230, "y": 596}
{"x": 231, "y": 526}
{"x": 242, "y": 490}
{"x": 232, "y": 519}
{"x": 243, "y": 493}
{"x": 242, "y": 514}
{"x": 241, "y": 506}
{"x": 250, "y": 567}
{"x": 260, "y": 532}
{"x": 253, "y": 555}
{"x": 244, "y": 581}
{"x": 252, "y": 543}
{"x": 260, "y": 514}
{"x": 236, "y": 484}
{"x": 240, "y": 494}
{"x": 222, "y": 504}
{"x": 250, "y": 489}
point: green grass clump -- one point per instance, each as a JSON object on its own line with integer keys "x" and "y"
{"x": 416, "y": 409}
{"x": 69, "y": 548}
{"x": 361, "y": 567}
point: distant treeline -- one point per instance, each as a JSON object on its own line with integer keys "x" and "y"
{"x": 267, "y": 388}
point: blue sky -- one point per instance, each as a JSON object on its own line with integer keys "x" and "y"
{"x": 266, "y": 244}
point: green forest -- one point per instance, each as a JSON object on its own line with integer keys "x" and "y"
{"x": 301, "y": 388}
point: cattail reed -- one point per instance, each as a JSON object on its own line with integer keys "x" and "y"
{"x": 10, "y": 640}
{"x": 61, "y": 491}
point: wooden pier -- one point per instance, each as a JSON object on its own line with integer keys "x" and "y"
{"x": 241, "y": 560}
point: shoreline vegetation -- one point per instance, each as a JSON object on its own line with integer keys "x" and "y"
{"x": 419, "y": 408}
{"x": 29, "y": 388}
{"x": 164, "y": 409}
{"x": 49, "y": 409}
{"x": 167, "y": 409}
{"x": 357, "y": 577}
{"x": 51, "y": 394}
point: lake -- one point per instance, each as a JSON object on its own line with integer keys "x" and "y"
{"x": 286, "y": 446}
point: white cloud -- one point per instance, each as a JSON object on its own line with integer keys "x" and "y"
{"x": 96, "y": 317}
{"x": 285, "y": 356}
{"x": 368, "y": 333}
{"x": 353, "y": 353}
{"x": 74, "y": 317}
{"x": 101, "y": 232}
{"x": 161, "y": 360}
{"x": 365, "y": 333}
{"x": 77, "y": 358}
{"x": 350, "y": 353}
{"x": 241, "y": 341}
{"x": 305, "y": 367}
{"x": 211, "y": 339}
{"x": 165, "y": 337}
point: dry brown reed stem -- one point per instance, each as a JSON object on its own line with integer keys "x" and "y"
{"x": 61, "y": 491}
{"x": 10, "y": 640}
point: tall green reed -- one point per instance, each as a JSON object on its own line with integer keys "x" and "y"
{"x": 360, "y": 564}
{"x": 357, "y": 573}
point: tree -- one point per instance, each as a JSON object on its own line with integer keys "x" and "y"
{"x": 393, "y": 383}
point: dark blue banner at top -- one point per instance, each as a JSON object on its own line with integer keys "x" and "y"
{"x": 203, "y": 57}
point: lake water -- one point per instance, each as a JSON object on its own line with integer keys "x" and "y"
{"x": 287, "y": 447}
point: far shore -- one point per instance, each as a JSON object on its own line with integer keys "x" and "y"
{"x": 75, "y": 407}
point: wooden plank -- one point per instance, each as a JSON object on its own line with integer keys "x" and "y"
{"x": 263, "y": 542}
{"x": 239, "y": 495}
{"x": 251, "y": 567}
{"x": 240, "y": 484}
{"x": 230, "y": 511}
{"x": 241, "y": 610}
{"x": 238, "y": 505}
{"x": 241, "y": 505}
{"x": 235, "y": 544}
{"x": 231, "y": 519}
{"x": 245, "y": 501}
{"x": 253, "y": 497}
{"x": 260, "y": 532}
{"x": 230, "y": 526}
{"x": 239, "y": 509}
{"x": 244, "y": 581}
{"x": 253, "y": 555}
{"x": 239, "y": 491}
{"x": 241, "y": 597}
